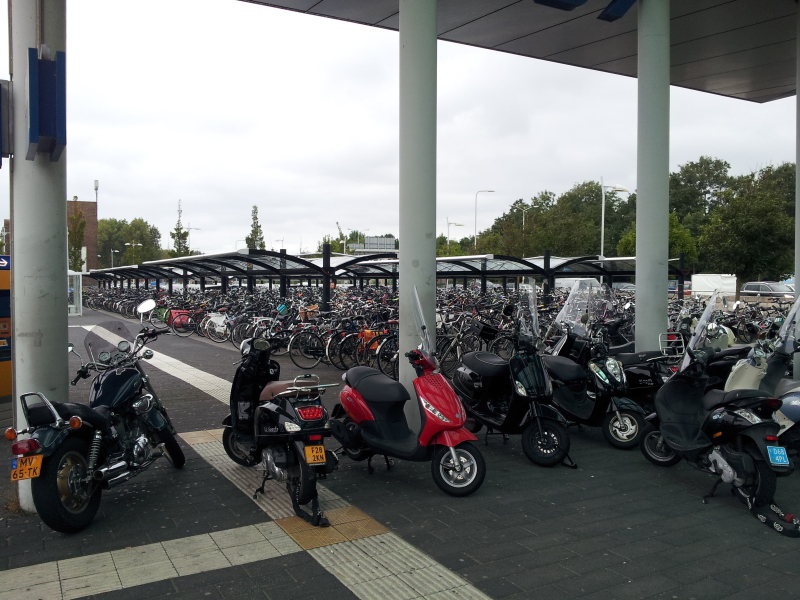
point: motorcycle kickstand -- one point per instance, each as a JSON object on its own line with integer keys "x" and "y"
{"x": 261, "y": 489}
{"x": 486, "y": 436}
{"x": 505, "y": 438}
{"x": 713, "y": 490}
{"x": 389, "y": 462}
{"x": 370, "y": 468}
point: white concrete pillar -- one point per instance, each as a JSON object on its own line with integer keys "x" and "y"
{"x": 797, "y": 182}
{"x": 417, "y": 175}
{"x": 39, "y": 223}
{"x": 652, "y": 194}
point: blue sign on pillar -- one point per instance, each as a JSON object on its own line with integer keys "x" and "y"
{"x": 615, "y": 10}
{"x": 47, "y": 105}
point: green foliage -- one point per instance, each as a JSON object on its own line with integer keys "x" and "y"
{"x": 76, "y": 226}
{"x": 680, "y": 240}
{"x": 749, "y": 234}
{"x": 125, "y": 238}
{"x": 256, "y": 238}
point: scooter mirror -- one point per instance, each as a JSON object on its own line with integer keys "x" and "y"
{"x": 70, "y": 347}
{"x": 146, "y": 306}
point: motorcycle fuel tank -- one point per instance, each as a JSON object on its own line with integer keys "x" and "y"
{"x": 113, "y": 387}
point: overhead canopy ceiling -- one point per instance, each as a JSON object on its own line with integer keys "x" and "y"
{"x": 738, "y": 48}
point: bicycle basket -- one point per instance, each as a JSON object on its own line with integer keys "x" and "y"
{"x": 483, "y": 330}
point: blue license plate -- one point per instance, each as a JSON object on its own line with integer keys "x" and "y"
{"x": 777, "y": 455}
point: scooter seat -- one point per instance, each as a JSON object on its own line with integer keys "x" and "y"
{"x": 785, "y": 386}
{"x": 374, "y": 386}
{"x": 485, "y": 364}
{"x": 633, "y": 358}
{"x": 731, "y": 353}
{"x": 273, "y": 388}
{"x": 563, "y": 368}
{"x": 716, "y": 398}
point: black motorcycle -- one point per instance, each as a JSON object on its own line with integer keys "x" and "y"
{"x": 513, "y": 396}
{"x": 75, "y": 451}
{"x": 728, "y": 434}
{"x": 280, "y": 425}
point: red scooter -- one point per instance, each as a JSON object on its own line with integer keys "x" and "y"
{"x": 370, "y": 420}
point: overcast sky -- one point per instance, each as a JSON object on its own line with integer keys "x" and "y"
{"x": 225, "y": 105}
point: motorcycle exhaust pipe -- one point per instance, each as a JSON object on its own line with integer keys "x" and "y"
{"x": 110, "y": 472}
{"x": 119, "y": 479}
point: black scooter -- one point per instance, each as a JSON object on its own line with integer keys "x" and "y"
{"x": 514, "y": 397}
{"x": 728, "y": 434}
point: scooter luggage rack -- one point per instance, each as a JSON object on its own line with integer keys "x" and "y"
{"x": 671, "y": 347}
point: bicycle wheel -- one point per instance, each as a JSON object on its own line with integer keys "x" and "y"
{"x": 348, "y": 351}
{"x": 239, "y": 334}
{"x": 306, "y": 349}
{"x": 183, "y": 325}
{"x": 503, "y": 347}
{"x": 280, "y": 342}
{"x": 388, "y": 357}
{"x": 450, "y": 358}
{"x": 368, "y": 357}
{"x": 332, "y": 349}
{"x": 158, "y": 319}
{"x": 217, "y": 331}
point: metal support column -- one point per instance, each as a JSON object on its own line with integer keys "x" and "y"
{"x": 483, "y": 277}
{"x": 652, "y": 198}
{"x": 417, "y": 178}
{"x": 202, "y": 284}
{"x": 326, "y": 277}
{"x": 169, "y": 285}
{"x": 283, "y": 277}
{"x": 39, "y": 223}
{"x": 797, "y": 185}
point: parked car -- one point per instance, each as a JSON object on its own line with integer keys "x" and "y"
{"x": 672, "y": 287}
{"x": 766, "y": 289}
{"x": 624, "y": 286}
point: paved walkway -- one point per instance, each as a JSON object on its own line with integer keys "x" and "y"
{"x": 617, "y": 527}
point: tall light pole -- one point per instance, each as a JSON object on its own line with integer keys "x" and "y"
{"x": 189, "y": 229}
{"x": 133, "y": 245}
{"x": 112, "y": 256}
{"x": 524, "y": 210}
{"x": 476, "y": 213}
{"x": 613, "y": 188}
{"x": 449, "y": 224}
{"x": 281, "y": 240}
{"x": 96, "y": 188}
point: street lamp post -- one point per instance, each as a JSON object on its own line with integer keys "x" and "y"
{"x": 189, "y": 229}
{"x": 613, "y": 188}
{"x": 524, "y": 210}
{"x": 476, "y": 213}
{"x": 449, "y": 224}
{"x": 112, "y": 256}
{"x": 133, "y": 245}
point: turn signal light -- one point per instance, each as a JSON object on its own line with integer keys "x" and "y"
{"x": 771, "y": 438}
{"x": 24, "y": 447}
{"x": 310, "y": 413}
{"x": 10, "y": 434}
{"x": 75, "y": 422}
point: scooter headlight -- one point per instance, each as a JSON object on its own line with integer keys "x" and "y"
{"x": 615, "y": 368}
{"x": 433, "y": 410}
{"x": 595, "y": 368}
{"x": 520, "y": 388}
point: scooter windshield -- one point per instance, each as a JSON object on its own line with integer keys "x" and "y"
{"x": 587, "y": 302}
{"x": 788, "y": 333}
{"x": 422, "y": 328}
{"x": 527, "y": 312}
{"x": 105, "y": 337}
{"x": 701, "y": 330}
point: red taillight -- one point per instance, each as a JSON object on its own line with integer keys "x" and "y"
{"x": 772, "y": 404}
{"x": 24, "y": 447}
{"x": 314, "y": 438}
{"x": 674, "y": 369}
{"x": 310, "y": 413}
{"x": 770, "y": 438}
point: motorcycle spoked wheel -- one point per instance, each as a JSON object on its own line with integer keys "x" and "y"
{"x": 63, "y": 501}
{"x": 655, "y": 449}
{"x": 762, "y": 490}
{"x": 624, "y": 431}
{"x": 547, "y": 448}
{"x": 451, "y": 481}
{"x": 234, "y": 452}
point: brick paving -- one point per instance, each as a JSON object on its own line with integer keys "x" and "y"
{"x": 617, "y": 527}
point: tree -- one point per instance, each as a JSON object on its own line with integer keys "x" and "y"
{"x": 256, "y": 238}
{"x": 696, "y": 189}
{"x": 749, "y": 233}
{"x": 111, "y": 235}
{"x": 680, "y": 240}
{"x": 180, "y": 238}
{"x": 76, "y": 226}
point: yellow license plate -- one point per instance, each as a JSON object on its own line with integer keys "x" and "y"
{"x": 26, "y": 467}
{"x": 315, "y": 455}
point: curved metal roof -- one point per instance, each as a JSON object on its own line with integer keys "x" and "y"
{"x": 737, "y": 48}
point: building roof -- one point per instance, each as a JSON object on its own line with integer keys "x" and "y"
{"x": 743, "y": 49}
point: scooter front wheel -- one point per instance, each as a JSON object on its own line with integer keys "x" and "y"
{"x": 548, "y": 446}
{"x": 622, "y": 429}
{"x": 458, "y": 478}
{"x": 655, "y": 449}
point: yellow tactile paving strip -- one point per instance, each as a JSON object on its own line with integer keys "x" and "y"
{"x": 347, "y": 524}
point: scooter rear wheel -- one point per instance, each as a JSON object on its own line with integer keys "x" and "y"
{"x": 762, "y": 490}
{"x": 655, "y": 449}
{"x": 451, "y": 481}
{"x": 547, "y": 447}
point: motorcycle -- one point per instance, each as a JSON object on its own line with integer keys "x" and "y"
{"x": 765, "y": 368}
{"x": 280, "y": 425}
{"x": 597, "y": 398}
{"x": 727, "y": 434}
{"x": 75, "y": 451}
{"x": 513, "y": 396}
{"x": 370, "y": 420}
